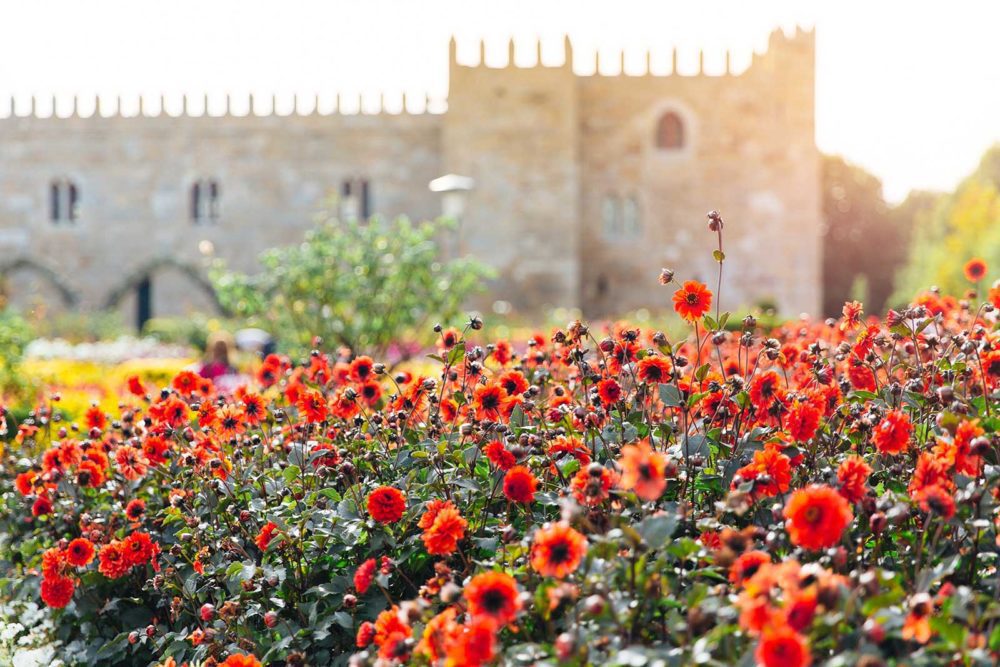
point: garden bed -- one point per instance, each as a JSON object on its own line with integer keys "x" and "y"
{"x": 822, "y": 493}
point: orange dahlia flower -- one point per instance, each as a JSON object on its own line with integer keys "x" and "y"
{"x": 57, "y": 591}
{"x": 443, "y": 528}
{"x": 892, "y": 435}
{"x": 975, "y": 270}
{"x": 783, "y": 647}
{"x": 692, "y": 300}
{"x": 816, "y": 517}
{"x": 643, "y": 471}
{"x": 80, "y": 552}
{"x": 494, "y": 595}
{"x": 240, "y": 660}
{"x": 519, "y": 485}
{"x": 557, "y": 550}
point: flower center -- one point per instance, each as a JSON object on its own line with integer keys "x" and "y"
{"x": 559, "y": 553}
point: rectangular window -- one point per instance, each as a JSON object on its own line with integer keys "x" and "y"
{"x": 64, "y": 201}
{"x": 205, "y": 202}
{"x": 355, "y": 199}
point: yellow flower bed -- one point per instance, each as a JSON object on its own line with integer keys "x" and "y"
{"x": 81, "y": 383}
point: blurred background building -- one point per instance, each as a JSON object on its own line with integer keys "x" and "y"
{"x": 584, "y": 186}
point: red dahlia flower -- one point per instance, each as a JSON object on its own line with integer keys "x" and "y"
{"x": 386, "y": 504}
{"x": 519, "y": 485}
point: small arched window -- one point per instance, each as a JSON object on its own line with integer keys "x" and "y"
{"x": 64, "y": 201}
{"x": 205, "y": 201}
{"x": 670, "y": 132}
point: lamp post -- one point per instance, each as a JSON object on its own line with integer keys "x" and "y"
{"x": 454, "y": 191}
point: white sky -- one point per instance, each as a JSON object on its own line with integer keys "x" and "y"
{"x": 910, "y": 90}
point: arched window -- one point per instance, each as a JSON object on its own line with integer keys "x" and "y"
{"x": 64, "y": 201}
{"x": 205, "y": 201}
{"x": 670, "y": 132}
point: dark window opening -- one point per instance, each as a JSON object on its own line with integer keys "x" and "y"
{"x": 602, "y": 286}
{"x": 365, "y": 200}
{"x": 143, "y": 302}
{"x": 64, "y": 201}
{"x": 205, "y": 201}
{"x": 355, "y": 199}
{"x": 670, "y": 132}
{"x": 54, "y": 202}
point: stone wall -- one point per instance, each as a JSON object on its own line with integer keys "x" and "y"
{"x": 134, "y": 177}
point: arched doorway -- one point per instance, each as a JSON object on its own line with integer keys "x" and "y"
{"x": 163, "y": 288}
{"x": 31, "y": 287}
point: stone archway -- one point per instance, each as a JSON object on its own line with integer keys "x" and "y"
{"x": 24, "y": 280}
{"x": 185, "y": 285}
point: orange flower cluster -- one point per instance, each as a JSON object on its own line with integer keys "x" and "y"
{"x": 778, "y": 604}
{"x": 115, "y": 559}
{"x": 443, "y": 528}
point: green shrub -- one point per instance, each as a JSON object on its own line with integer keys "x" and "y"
{"x": 360, "y": 284}
{"x": 15, "y": 334}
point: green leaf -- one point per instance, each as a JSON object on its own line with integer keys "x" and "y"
{"x": 696, "y": 444}
{"x": 670, "y": 395}
{"x": 656, "y": 530}
{"x": 702, "y": 372}
{"x": 456, "y": 354}
{"x": 291, "y": 473}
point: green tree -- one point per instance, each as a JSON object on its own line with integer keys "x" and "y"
{"x": 361, "y": 284}
{"x": 864, "y": 242}
{"x": 961, "y": 225}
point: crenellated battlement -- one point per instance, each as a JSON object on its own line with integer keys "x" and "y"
{"x": 334, "y": 104}
{"x": 778, "y": 41}
{"x": 227, "y": 106}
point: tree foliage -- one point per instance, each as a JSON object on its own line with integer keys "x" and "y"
{"x": 865, "y": 240}
{"x": 962, "y": 225}
{"x": 361, "y": 284}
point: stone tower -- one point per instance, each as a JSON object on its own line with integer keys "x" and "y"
{"x": 658, "y": 151}
{"x": 515, "y": 131}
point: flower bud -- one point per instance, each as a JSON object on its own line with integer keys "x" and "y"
{"x": 565, "y": 644}
{"x": 594, "y": 605}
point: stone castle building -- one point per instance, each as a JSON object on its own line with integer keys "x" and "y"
{"x": 584, "y": 187}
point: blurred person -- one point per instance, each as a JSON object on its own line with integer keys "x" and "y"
{"x": 217, "y": 362}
